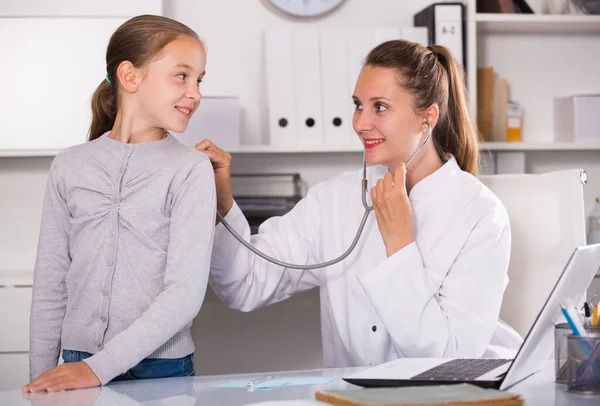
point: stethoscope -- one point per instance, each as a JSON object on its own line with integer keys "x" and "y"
{"x": 368, "y": 209}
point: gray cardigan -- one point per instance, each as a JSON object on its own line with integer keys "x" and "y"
{"x": 124, "y": 254}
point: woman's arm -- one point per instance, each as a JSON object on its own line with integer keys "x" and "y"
{"x": 427, "y": 315}
{"x": 243, "y": 280}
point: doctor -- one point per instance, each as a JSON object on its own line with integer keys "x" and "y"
{"x": 428, "y": 274}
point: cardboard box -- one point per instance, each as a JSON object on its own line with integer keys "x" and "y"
{"x": 576, "y": 118}
{"x": 217, "y": 119}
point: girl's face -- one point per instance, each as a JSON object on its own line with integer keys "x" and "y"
{"x": 169, "y": 93}
{"x": 385, "y": 119}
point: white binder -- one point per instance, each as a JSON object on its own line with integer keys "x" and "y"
{"x": 336, "y": 94}
{"x": 384, "y": 34}
{"x": 360, "y": 42}
{"x": 415, "y": 34}
{"x": 53, "y": 110}
{"x": 307, "y": 86}
{"x": 448, "y": 29}
{"x": 279, "y": 67}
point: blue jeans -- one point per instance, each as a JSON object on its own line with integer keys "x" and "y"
{"x": 148, "y": 368}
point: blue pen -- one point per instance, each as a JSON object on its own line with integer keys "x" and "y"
{"x": 570, "y": 321}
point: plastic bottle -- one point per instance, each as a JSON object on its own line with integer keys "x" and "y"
{"x": 593, "y": 225}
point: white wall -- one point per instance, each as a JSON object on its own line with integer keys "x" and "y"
{"x": 233, "y": 29}
{"x": 287, "y": 335}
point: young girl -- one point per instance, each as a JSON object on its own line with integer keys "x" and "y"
{"x": 128, "y": 222}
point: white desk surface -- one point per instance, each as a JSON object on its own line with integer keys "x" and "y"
{"x": 538, "y": 389}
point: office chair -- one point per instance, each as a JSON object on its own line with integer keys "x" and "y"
{"x": 547, "y": 217}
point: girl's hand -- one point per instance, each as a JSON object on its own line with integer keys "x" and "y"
{"x": 72, "y": 375}
{"x": 82, "y": 397}
{"x": 221, "y": 162}
{"x": 393, "y": 211}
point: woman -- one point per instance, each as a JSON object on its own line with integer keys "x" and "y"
{"x": 428, "y": 274}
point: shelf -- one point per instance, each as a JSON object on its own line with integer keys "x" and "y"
{"x": 537, "y": 23}
{"x": 352, "y": 149}
{"x": 242, "y": 149}
{"x": 295, "y": 149}
{"x": 540, "y": 146}
{"x": 488, "y": 146}
{"x": 16, "y": 279}
{"x": 8, "y": 153}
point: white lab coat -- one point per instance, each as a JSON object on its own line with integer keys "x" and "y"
{"x": 438, "y": 297}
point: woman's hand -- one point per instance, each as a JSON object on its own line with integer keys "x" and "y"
{"x": 221, "y": 162}
{"x": 72, "y": 375}
{"x": 393, "y": 211}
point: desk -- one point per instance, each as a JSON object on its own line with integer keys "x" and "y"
{"x": 537, "y": 390}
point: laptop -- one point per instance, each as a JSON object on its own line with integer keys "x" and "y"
{"x": 501, "y": 374}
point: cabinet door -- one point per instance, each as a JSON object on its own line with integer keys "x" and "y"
{"x": 15, "y": 305}
{"x": 14, "y": 371}
{"x": 49, "y": 71}
{"x": 78, "y": 8}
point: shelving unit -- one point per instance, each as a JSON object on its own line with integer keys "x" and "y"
{"x": 489, "y": 146}
{"x": 480, "y": 27}
{"x": 542, "y": 57}
{"x": 342, "y": 149}
{"x": 537, "y": 24}
{"x": 489, "y": 23}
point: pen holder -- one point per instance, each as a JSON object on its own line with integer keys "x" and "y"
{"x": 583, "y": 362}
{"x": 561, "y": 332}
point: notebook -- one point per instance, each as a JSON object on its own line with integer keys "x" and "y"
{"x": 456, "y": 395}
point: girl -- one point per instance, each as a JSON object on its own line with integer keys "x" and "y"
{"x": 128, "y": 222}
{"x": 428, "y": 274}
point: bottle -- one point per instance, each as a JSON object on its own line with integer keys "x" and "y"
{"x": 593, "y": 225}
{"x": 555, "y": 7}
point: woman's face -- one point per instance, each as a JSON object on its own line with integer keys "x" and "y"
{"x": 384, "y": 118}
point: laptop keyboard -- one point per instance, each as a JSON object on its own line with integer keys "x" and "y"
{"x": 461, "y": 369}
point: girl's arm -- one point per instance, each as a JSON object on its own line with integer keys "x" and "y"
{"x": 49, "y": 290}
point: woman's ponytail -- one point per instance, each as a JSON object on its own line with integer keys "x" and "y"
{"x": 460, "y": 135}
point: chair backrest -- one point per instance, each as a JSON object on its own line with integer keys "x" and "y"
{"x": 547, "y": 219}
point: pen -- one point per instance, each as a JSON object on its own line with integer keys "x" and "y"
{"x": 570, "y": 321}
{"x": 586, "y": 310}
{"x": 595, "y": 316}
{"x": 260, "y": 380}
{"x": 575, "y": 317}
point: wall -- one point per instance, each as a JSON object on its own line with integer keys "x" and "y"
{"x": 287, "y": 335}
